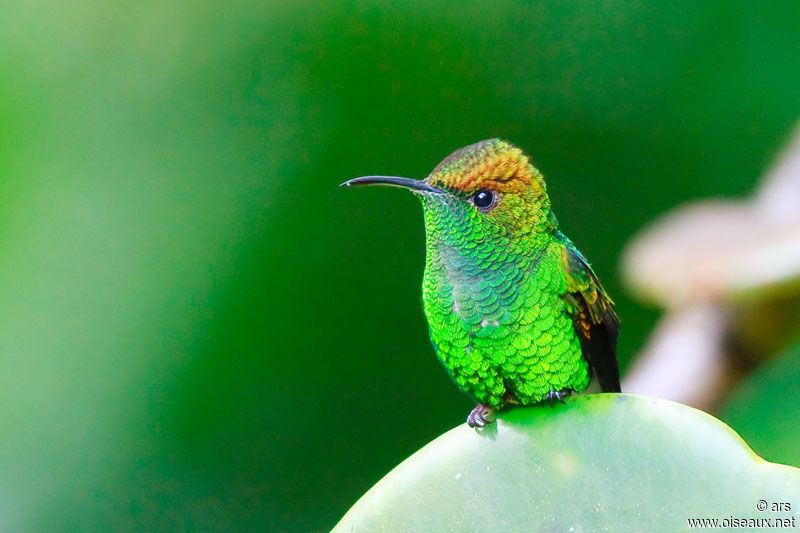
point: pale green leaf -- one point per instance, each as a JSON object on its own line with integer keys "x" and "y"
{"x": 600, "y": 462}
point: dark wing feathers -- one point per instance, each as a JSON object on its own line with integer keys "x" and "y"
{"x": 596, "y": 323}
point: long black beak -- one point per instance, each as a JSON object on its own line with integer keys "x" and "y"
{"x": 393, "y": 181}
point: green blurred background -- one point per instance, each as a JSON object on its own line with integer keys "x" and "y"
{"x": 200, "y": 331}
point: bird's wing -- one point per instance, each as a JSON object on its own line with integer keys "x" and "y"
{"x": 595, "y": 321}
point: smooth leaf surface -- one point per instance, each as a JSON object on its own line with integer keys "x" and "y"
{"x": 600, "y": 462}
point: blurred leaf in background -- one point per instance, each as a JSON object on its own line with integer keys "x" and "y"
{"x": 727, "y": 273}
{"x": 766, "y": 412}
{"x": 201, "y": 332}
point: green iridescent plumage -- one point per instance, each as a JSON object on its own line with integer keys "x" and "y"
{"x": 515, "y": 313}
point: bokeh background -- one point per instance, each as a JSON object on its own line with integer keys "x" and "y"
{"x": 201, "y": 332}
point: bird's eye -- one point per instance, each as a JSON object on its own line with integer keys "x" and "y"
{"x": 483, "y": 199}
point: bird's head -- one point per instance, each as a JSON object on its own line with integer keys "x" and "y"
{"x": 487, "y": 190}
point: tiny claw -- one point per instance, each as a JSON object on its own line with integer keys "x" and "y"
{"x": 481, "y": 415}
{"x": 558, "y": 395}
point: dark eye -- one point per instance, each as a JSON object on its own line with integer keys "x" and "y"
{"x": 483, "y": 199}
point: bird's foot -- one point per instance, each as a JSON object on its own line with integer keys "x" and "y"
{"x": 557, "y": 395}
{"x": 480, "y": 416}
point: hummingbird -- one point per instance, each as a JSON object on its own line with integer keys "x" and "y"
{"x": 515, "y": 313}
